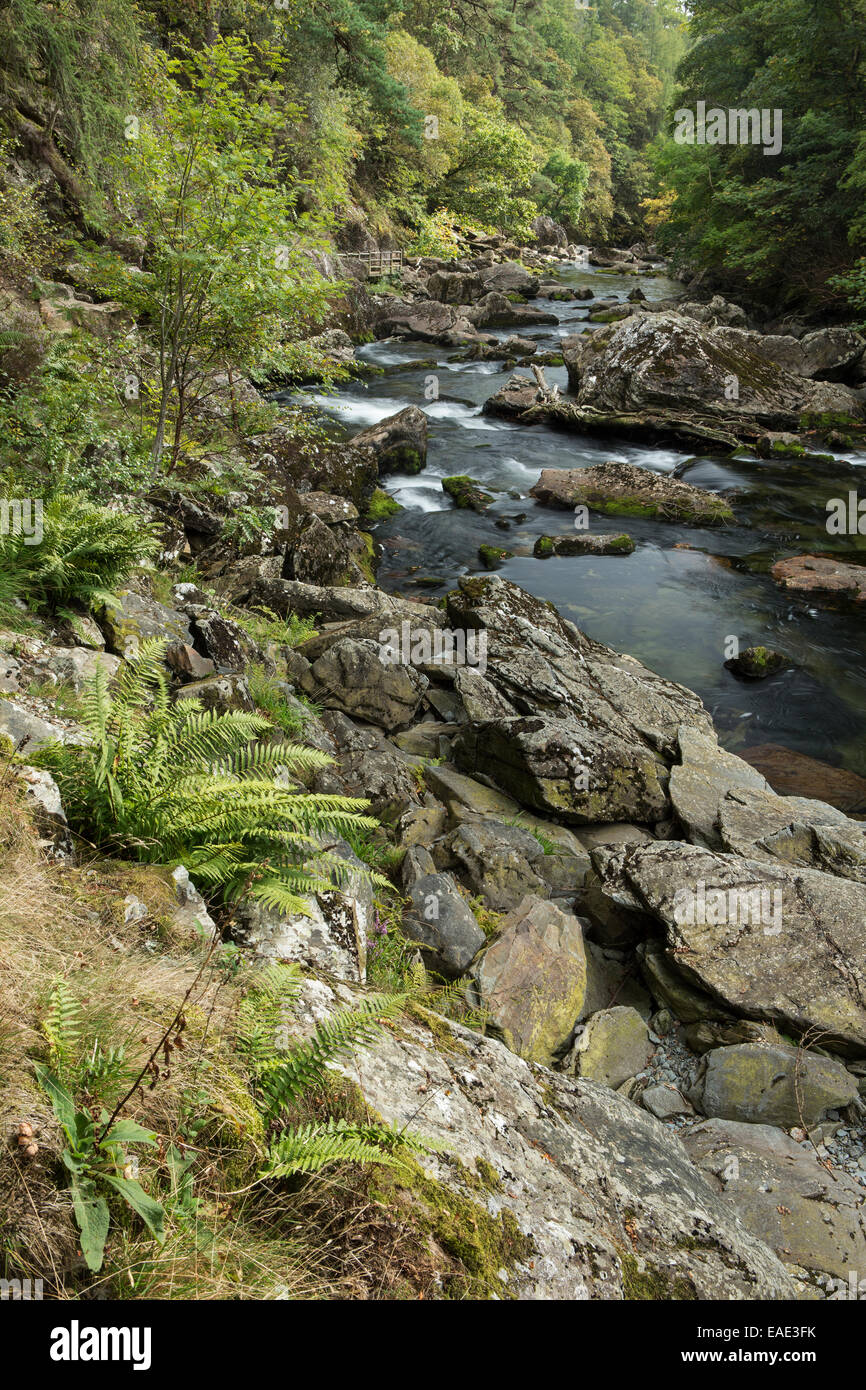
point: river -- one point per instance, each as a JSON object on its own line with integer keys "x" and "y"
{"x": 682, "y": 595}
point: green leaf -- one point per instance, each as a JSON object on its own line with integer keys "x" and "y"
{"x": 148, "y": 1209}
{"x": 62, "y": 1102}
{"x": 129, "y": 1132}
{"x": 92, "y": 1215}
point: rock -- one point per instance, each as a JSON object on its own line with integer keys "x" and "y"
{"x": 286, "y": 596}
{"x": 441, "y": 921}
{"x": 78, "y": 665}
{"x": 427, "y": 320}
{"x": 791, "y": 773}
{"x": 455, "y": 287}
{"x": 222, "y": 641}
{"x": 479, "y": 698}
{"x": 759, "y": 1084}
{"x": 756, "y": 663}
{"x": 186, "y": 662}
{"x": 129, "y": 620}
{"x": 532, "y": 978}
{"x": 351, "y": 676}
{"x": 828, "y": 354}
{"x": 541, "y": 663}
{"x": 583, "y": 545}
{"x": 465, "y": 493}
{"x": 491, "y": 556}
{"x": 596, "y": 836}
{"x": 613, "y": 1046}
{"x": 332, "y": 939}
{"x": 42, "y": 797}
{"x": 221, "y": 693}
{"x": 510, "y": 278}
{"x": 574, "y": 1158}
{"x": 560, "y": 767}
{"x": 191, "y": 913}
{"x": 325, "y": 555}
{"x": 796, "y": 959}
{"x": 707, "y": 1034}
{"x": 27, "y": 732}
{"x": 496, "y": 310}
{"x": 821, "y": 577}
{"x": 399, "y": 443}
{"x": 665, "y": 1102}
{"x": 624, "y": 489}
{"x": 749, "y": 822}
{"x": 703, "y": 778}
{"x": 667, "y": 365}
{"x": 519, "y": 394}
{"x": 80, "y": 630}
{"x": 498, "y": 862}
{"x": 784, "y": 1195}
{"x": 456, "y": 790}
{"x": 417, "y": 863}
{"x": 371, "y": 768}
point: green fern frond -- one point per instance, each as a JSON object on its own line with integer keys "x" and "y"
{"x": 310, "y": 1148}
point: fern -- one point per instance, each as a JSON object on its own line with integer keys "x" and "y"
{"x": 62, "y": 1028}
{"x": 84, "y": 551}
{"x": 310, "y": 1148}
{"x": 284, "y": 1073}
{"x": 174, "y": 783}
{"x": 284, "y": 1079}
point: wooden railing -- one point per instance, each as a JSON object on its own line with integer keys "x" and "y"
{"x": 377, "y": 262}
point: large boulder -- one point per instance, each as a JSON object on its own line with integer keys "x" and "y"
{"x": 566, "y": 769}
{"x": 784, "y": 1195}
{"x": 509, "y": 277}
{"x": 657, "y": 364}
{"x": 351, "y": 676}
{"x": 625, "y": 489}
{"x": 440, "y": 920}
{"x": 496, "y": 310}
{"x": 128, "y": 620}
{"x": 567, "y": 1163}
{"x": 828, "y": 354}
{"x": 426, "y": 319}
{"x": 532, "y": 978}
{"x": 399, "y": 442}
{"x": 760, "y": 1084}
{"x": 764, "y": 939}
{"x": 614, "y": 1046}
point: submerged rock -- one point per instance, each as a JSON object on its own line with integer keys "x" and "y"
{"x": 821, "y": 577}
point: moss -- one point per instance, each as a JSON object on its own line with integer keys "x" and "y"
{"x": 620, "y": 545}
{"x": 543, "y": 547}
{"x": 465, "y": 493}
{"x": 381, "y": 505}
{"x": 651, "y": 1285}
{"x": 480, "y": 1244}
{"x": 491, "y": 556}
{"x": 403, "y": 458}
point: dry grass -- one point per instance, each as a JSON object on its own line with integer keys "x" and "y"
{"x": 229, "y": 1237}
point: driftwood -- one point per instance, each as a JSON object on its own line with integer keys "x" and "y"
{"x": 545, "y": 394}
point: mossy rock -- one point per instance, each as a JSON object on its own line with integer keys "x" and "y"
{"x": 465, "y": 493}
{"x": 381, "y": 505}
{"x": 491, "y": 556}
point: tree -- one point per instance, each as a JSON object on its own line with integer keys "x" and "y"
{"x": 228, "y": 272}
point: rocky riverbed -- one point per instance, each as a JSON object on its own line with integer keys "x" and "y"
{"x": 650, "y": 1080}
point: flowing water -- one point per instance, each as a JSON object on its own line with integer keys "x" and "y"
{"x": 685, "y": 591}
